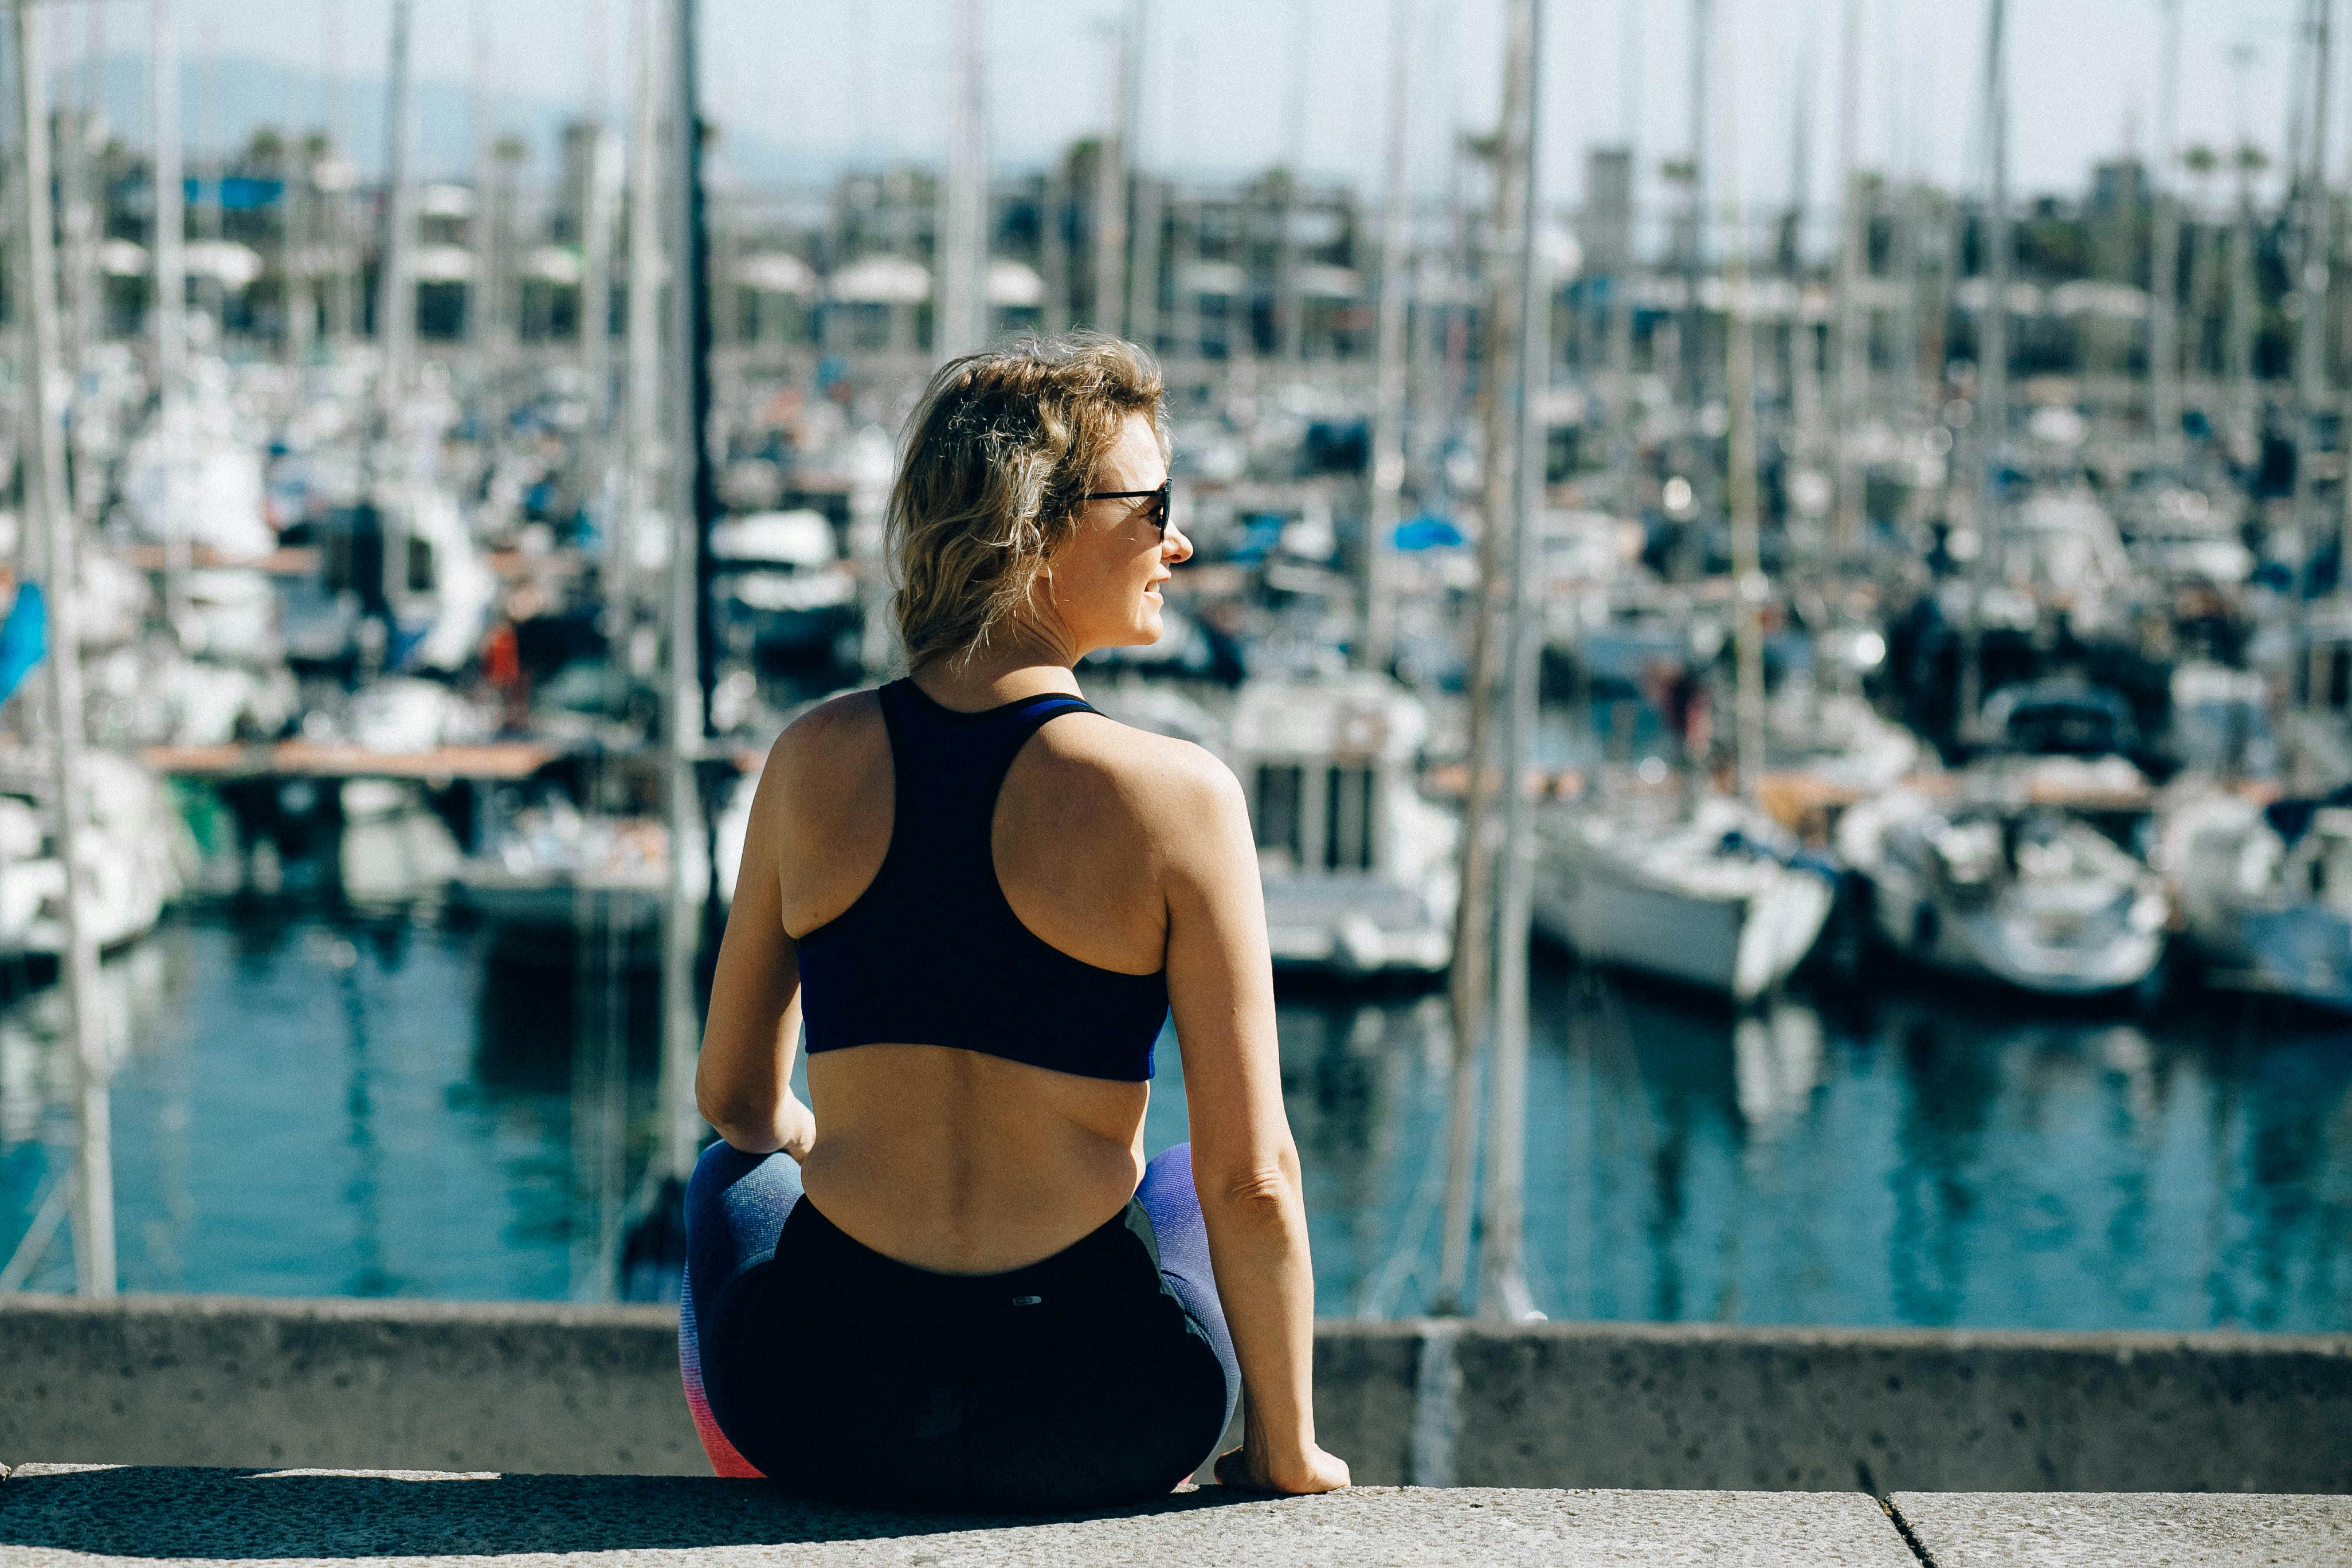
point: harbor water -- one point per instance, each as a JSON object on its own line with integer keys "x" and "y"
{"x": 313, "y": 1104}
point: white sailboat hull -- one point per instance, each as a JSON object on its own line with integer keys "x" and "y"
{"x": 1355, "y": 925}
{"x": 2100, "y": 932}
{"x": 1739, "y": 945}
{"x": 136, "y": 858}
{"x": 2000, "y": 945}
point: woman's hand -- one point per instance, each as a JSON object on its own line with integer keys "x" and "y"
{"x": 1314, "y": 1471}
{"x": 799, "y": 1128}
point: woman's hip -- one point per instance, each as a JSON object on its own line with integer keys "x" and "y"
{"x": 1076, "y": 1379}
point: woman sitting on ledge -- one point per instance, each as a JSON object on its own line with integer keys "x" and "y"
{"x": 951, "y": 1279}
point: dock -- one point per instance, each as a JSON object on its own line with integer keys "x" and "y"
{"x": 88, "y": 1516}
{"x": 492, "y": 762}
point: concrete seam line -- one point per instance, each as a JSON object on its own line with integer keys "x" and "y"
{"x": 1436, "y": 1404}
{"x": 1903, "y": 1528}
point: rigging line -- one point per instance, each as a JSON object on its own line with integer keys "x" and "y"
{"x": 34, "y": 1245}
{"x": 1388, "y": 1283}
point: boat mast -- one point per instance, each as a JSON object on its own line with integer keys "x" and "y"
{"x": 2163, "y": 334}
{"x": 1805, "y": 358}
{"x": 1290, "y": 304}
{"x": 212, "y": 169}
{"x": 1622, "y": 416}
{"x": 600, "y": 201}
{"x": 1373, "y": 648}
{"x": 77, "y": 119}
{"x": 1469, "y": 979}
{"x": 1902, "y": 187}
{"x": 166, "y": 241}
{"x": 2243, "y": 305}
{"x": 339, "y": 282}
{"x": 1853, "y": 326}
{"x": 1748, "y": 586}
{"x": 2311, "y": 272}
{"x": 1185, "y": 254}
{"x": 294, "y": 239}
{"x": 1502, "y": 1277}
{"x": 686, "y": 707}
{"x": 2311, "y": 350}
{"x": 1150, "y": 192}
{"x": 170, "y": 217}
{"x": 484, "y": 309}
{"x": 1693, "y": 262}
{"x": 677, "y": 1129}
{"x": 45, "y": 502}
{"x": 1110, "y": 194}
{"x": 641, "y": 447}
{"x": 963, "y": 205}
{"x": 395, "y": 310}
{"x": 1992, "y": 359}
{"x": 490, "y": 315}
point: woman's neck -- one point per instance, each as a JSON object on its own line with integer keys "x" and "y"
{"x": 1016, "y": 663}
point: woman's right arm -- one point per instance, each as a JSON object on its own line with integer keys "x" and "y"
{"x": 743, "y": 1076}
{"x": 1244, "y": 1164}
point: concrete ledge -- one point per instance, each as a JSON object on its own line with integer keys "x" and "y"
{"x": 2013, "y": 1530}
{"x": 55, "y": 1516}
{"x": 578, "y": 1390}
{"x": 218, "y": 1380}
{"x": 1817, "y": 1409}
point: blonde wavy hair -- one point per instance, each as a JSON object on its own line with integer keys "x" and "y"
{"x": 1000, "y": 454}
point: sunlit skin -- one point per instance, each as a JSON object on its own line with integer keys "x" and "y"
{"x": 1128, "y": 850}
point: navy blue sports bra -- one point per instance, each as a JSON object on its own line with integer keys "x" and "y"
{"x": 931, "y": 954}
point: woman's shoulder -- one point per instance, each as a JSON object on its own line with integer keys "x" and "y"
{"x": 832, "y": 748}
{"x": 1158, "y": 774}
{"x": 846, "y": 719}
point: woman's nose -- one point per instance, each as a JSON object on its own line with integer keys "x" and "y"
{"x": 1178, "y": 544}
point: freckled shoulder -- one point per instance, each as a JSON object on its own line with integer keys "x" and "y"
{"x": 827, "y": 760}
{"x": 1158, "y": 781}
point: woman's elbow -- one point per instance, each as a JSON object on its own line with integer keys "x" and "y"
{"x": 748, "y": 1135}
{"x": 743, "y": 1125}
{"x": 1267, "y": 1186}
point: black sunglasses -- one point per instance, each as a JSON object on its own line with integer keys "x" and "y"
{"x": 1159, "y": 511}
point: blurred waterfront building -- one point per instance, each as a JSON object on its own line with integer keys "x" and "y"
{"x": 1218, "y": 271}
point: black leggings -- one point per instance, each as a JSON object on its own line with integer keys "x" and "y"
{"x": 1102, "y": 1374}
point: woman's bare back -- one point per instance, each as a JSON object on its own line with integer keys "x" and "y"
{"x": 944, "y": 1158}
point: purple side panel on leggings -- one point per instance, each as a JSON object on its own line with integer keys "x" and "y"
{"x": 1174, "y": 1210}
{"x": 735, "y": 1209}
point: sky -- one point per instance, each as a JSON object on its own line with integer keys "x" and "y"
{"x": 800, "y": 86}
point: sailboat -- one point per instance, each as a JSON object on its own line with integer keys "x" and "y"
{"x": 1720, "y": 900}
{"x": 2265, "y": 891}
{"x": 136, "y": 854}
{"x": 2023, "y": 894}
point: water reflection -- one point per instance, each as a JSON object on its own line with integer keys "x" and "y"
{"x": 308, "y": 1106}
{"x": 1904, "y": 1158}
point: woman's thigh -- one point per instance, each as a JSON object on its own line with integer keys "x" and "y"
{"x": 1181, "y": 1236}
{"x": 736, "y": 1206}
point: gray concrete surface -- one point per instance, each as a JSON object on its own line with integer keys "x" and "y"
{"x": 1883, "y": 1410}
{"x": 51, "y": 1517}
{"x": 581, "y": 1390}
{"x": 215, "y": 1380}
{"x": 2027, "y": 1530}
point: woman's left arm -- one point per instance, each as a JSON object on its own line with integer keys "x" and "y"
{"x": 743, "y": 1080}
